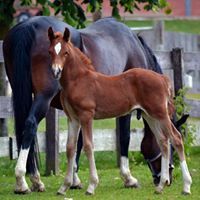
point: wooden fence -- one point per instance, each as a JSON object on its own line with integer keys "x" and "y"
{"x": 173, "y": 63}
{"x": 160, "y": 40}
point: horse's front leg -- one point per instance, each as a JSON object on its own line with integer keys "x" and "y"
{"x": 37, "y": 113}
{"x": 73, "y": 132}
{"x": 86, "y": 126}
{"x": 124, "y": 134}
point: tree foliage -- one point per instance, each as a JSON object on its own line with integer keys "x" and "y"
{"x": 72, "y": 11}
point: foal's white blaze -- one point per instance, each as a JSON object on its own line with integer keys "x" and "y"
{"x": 57, "y": 48}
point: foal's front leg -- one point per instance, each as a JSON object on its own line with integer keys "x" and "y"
{"x": 86, "y": 126}
{"x": 73, "y": 131}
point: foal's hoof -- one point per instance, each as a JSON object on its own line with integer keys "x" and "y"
{"x": 88, "y": 193}
{"x": 76, "y": 187}
{"x": 132, "y": 185}
{"x": 28, "y": 191}
{"x": 38, "y": 188}
{"x": 186, "y": 193}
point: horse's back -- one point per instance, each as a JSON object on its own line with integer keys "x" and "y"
{"x": 112, "y": 46}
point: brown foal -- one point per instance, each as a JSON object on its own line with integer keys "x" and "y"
{"x": 87, "y": 95}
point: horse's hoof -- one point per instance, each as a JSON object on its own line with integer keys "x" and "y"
{"x": 158, "y": 191}
{"x": 60, "y": 193}
{"x": 76, "y": 187}
{"x": 28, "y": 191}
{"x": 186, "y": 193}
{"x": 88, "y": 193}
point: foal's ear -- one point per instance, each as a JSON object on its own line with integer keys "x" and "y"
{"x": 51, "y": 34}
{"x": 66, "y": 35}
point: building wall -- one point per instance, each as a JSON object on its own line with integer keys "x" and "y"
{"x": 178, "y": 9}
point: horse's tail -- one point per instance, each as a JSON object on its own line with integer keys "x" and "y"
{"x": 17, "y": 47}
{"x": 153, "y": 62}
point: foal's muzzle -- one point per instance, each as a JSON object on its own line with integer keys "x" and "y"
{"x": 56, "y": 69}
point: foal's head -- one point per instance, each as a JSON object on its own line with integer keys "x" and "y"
{"x": 59, "y": 50}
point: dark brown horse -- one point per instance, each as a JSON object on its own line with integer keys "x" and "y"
{"x": 111, "y": 46}
{"x": 82, "y": 102}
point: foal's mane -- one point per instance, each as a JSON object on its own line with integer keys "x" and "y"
{"x": 77, "y": 53}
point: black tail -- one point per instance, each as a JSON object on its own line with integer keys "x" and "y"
{"x": 153, "y": 63}
{"x": 20, "y": 39}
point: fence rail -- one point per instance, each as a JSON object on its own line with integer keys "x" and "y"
{"x": 104, "y": 140}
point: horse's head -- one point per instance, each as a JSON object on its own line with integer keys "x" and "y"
{"x": 58, "y": 50}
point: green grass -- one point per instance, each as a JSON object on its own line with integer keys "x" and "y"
{"x": 193, "y": 96}
{"x": 187, "y": 26}
{"x": 110, "y": 187}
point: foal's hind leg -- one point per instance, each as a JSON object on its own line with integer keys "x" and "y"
{"x": 163, "y": 142}
{"x": 177, "y": 142}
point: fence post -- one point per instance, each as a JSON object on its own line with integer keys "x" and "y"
{"x": 3, "y": 122}
{"x": 52, "y": 142}
{"x": 159, "y": 35}
{"x": 178, "y": 67}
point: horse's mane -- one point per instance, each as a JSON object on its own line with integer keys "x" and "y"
{"x": 153, "y": 62}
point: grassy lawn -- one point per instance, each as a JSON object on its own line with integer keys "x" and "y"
{"x": 188, "y": 26}
{"x": 110, "y": 187}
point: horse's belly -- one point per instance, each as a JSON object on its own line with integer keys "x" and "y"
{"x": 111, "y": 111}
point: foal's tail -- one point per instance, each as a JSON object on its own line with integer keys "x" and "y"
{"x": 169, "y": 90}
{"x": 153, "y": 62}
{"x": 16, "y": 48}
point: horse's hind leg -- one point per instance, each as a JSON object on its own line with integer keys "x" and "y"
{"x": 76, "y": 181}
{"x": 177, "y": 142}
{"x": 38, "y": 111}
{"x": 124, "y": 134}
